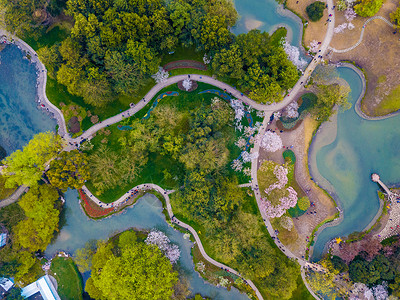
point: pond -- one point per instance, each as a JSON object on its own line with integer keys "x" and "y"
{"x": 344, "y": 166}
{"x": 145, "y": 214}
{"x": 20, "y": 118}
{"x": 267, "y": 15}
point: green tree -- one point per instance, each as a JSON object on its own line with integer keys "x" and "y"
{"x": 328, "y": 97}
{"x": 315, "y": 10}
{"x": 51, "y": 58}
{"x": 83, "y": 257}
{"x": 367, "y": 8}
{"x": 26, "y": 167}
{"x": 136, "y": 271}
{"x": 69, "y": 170}
{"x": 395, "y": 17}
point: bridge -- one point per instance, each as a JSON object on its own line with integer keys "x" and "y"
{"x": 391, "y": 196}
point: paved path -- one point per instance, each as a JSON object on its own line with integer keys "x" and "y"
{"x": 41, "y": 82}
{"x": 362, "y": 34}
{"x": 165, "y": 194}
{"x": 14, "y": 196}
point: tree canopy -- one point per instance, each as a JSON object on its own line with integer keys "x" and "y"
{"x": 315, "y": 10}
{"x": 26, "y": 167}
{"x": 69, "y": 170}
{"x": 130, "y": 269}
{"x": 36, "y": 231}
{"x": 261, "y": 67}
{"x": 367, "y": 8}
{"x": 395, "y": 17}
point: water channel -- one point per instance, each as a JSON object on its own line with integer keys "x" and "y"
{"x": 20, "y": 118}
{"x": 145, "y": 214}
{"x": 343, "y": 166}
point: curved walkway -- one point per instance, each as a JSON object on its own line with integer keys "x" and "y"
{"x": 165, "y": 193}
{"x": 362, "y": 34}
{"x": 14, "y": 196}
{"x": 44, "y": 102}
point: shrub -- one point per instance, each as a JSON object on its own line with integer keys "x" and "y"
{"x": 315, "y": 11}
{"x": 289, "y": 155}
{"x": 368, "y": 8}
{"x": 303, "y": 203}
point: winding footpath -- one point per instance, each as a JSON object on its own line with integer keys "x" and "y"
{"x": 165, "y": 194}
{"x": 362, "y": 34}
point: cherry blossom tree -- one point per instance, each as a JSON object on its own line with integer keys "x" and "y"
{"x": 161, "y": 75}
{"x": 158, "y": 238}
{"x": 291, "y": 110}
{"x": 350, "y": 14}
{"x": 314, "y": 46}
{"x": 293, "y": 54}
{"x": 340, "y": 28}
{"x": 350, "y": 26}
{"x": 237, "y": 165}
{"x": 187, "y": 84}
{"x": 241, "y": 143}
{"x": 380, "y": 291}
{"x": 281, "y": 174}
{"x": 271, "y": 142}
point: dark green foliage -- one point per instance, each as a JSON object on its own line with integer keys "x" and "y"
{"x": 14, "y": 294}
{"x": 315, "y": 10}
{"x": 339, "y": 264}
{"x": 390, "y": 240}
{"x": 371, "y": 273}
{"x": 259, "y": 64}
{"x": 290, "y": 156}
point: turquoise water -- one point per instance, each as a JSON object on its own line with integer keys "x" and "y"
{"x": 265, "y": 15}
{"x": 20, "y": 118}
{"x": 361, "y": 147}
{"x": 146, "y": 214}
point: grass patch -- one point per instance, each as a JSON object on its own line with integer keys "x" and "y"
{"x": 389, "y": 104}
{"x": 68, "y": 278}
{"x": 278, "y": 35}
{"x": 182, "y": 53}
{"x": 56, "y": 34}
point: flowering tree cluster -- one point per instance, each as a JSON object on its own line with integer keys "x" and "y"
{"x": 238, "y": 107}
{"x": 237, "y": 165}
{"x": 271, "y": 142}
{"x": 158, "y": 238}
{"x": 260, "y": 113}
{"x": 314, "y": 46}
{"x": 187, "y": 84}
{"x": 350, "y": 14}
{"x": 281, "y": 174}
{"x": 340, "y": 28}
{"x": 285, "y": 202}
{"x": 291, "y": 110}
{"x": 293, "y": 54}
{"x": 380, "y": 291}
{"x": 161, "y": 75}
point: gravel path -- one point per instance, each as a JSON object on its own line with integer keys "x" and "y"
{"x": 362, "y": 34}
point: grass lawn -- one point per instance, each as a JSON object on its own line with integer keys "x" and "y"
{"x": 68, "y": 278}
{"x": 4, "y": 192}
{"x": 182, "y": 53}
{"x": 390, "y": 103}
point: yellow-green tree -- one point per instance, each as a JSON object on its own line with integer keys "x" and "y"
{"x": 26, "y": 167}
{"x": 36, "y": 231}
{"x": 368, "y": 8}
{"x": 69, "y": 170}
{"x": 395, "y": 17}
{"x": 132, "y": 270}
